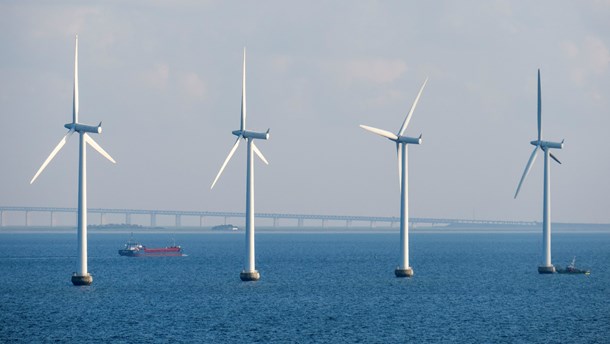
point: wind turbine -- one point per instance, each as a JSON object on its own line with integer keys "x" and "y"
{"x": 545, "y": 146}
{"x": 403, "y": 269}
{"x": 81, "y": 276}
{"x": 249, "y": 273}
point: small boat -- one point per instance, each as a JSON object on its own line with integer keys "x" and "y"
{"x": 572, "y": 269}
{"x": 135, "y": 249}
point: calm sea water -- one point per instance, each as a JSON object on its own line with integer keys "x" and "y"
{"x": 467, "y": 288}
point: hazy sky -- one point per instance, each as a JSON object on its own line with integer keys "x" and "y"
{"x": 165, "y": 79}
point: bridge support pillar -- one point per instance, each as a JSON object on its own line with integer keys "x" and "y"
{"x": 225, "y": 220}
{"x": 128, "y": 218}
{"x": 27, "y": 218}
{"x": 348, "y": 223}
{"x": 323, "y": 223}
{"x": 52, "y": 219}
{"x": 1, "y": 218}
{"x": 178, "y": 220}
{"x": 201, "y": 221}
{"x": 275, "y": 222}
{"x": 102, "y": 219}
{"x": 372, "y": 224}
{"x": 300, "y": 223}
{"x": 153, "y": 219}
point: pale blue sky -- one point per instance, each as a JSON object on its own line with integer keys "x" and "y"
{"x": 165, "y": 79}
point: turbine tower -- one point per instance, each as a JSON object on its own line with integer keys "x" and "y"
{"x": 249, "y": 273}
{"x": 81, "y": 276}
{"x": 545, "y": 146}
{"x": 403, "y": 269}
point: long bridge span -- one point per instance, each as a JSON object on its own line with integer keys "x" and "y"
{"x": 208, "y": 218}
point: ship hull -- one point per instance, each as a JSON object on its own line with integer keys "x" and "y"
{"x": 152, "y": 252}
{"x": 573, "y": 271}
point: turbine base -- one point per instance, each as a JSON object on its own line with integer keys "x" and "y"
{"x": 406, "y": 272}
{"x": 82, "y": 280}
{"x": 546, "y": 269}
{"x": 247, "y": 276}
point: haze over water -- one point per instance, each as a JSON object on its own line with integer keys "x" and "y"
{"x": 477, "y": 287}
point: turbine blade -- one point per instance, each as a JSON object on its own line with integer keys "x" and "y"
{"x": 98, "y": 148}
{"x": 75, "y": 94}
{"x": 555, "y": 158}
{"x": 380, "y": 132}
{"x": 258, "y": 152}
{"x": 528, "y": 167}
{"x": 539, "y": 108}
{"x": 224, "y": 164}
{"x": 408, "y": 118}
{"x": 61, "y": 143}
{"x": 399, "y": 153}
{"x": 243, "y": 95}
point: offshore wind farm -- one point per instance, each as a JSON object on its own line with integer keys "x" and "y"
{"x": 329, "y": 221}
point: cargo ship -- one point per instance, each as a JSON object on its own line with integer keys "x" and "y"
{"x": 135, "y": 249}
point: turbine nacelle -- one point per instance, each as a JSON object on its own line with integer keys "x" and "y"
{"x": 246, "y": 134}
{"x": 547, "y": 144}
{"x": 82, "y": 128}
{"x": 408, "y": 140}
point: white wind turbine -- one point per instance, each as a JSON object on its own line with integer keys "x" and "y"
{"x": 81, "y": 276}
{"x": 403, "y": 270}
{"x": 546, "y": 146}
{"x": 249, "y": 273}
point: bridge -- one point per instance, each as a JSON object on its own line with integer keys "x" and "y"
{"x": 25, "y": 213}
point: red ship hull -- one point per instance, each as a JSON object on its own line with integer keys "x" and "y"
{"x": 167, "y": 251}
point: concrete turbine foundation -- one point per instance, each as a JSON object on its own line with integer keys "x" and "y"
{"x": 546, "y": 269}
{"x": 248, "y": 276}
{"x": 82, "y": 280}
{"x": 406, "y": 272}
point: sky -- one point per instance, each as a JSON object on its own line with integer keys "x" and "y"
{"x": 165, "y": 79}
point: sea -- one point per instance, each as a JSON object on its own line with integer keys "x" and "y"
{"x": 468, "y": 287}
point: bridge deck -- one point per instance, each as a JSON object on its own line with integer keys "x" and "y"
{"x": 300, "y": 218}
